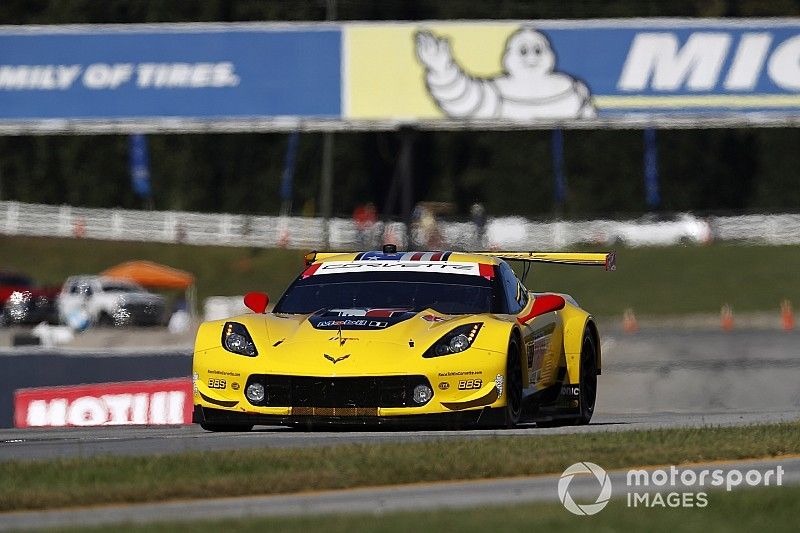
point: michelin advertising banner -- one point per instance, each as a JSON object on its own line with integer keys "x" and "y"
{"x": 557, "y": 70}
{"x": 365, "y": 75}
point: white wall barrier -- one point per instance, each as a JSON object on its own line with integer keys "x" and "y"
{"x": 518, "y": 233}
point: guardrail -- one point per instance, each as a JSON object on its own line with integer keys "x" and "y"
{"x": 18, "y": 218}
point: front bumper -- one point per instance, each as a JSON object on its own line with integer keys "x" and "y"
{"x": 362, "y": 388}
{"x": 332, "y": 406}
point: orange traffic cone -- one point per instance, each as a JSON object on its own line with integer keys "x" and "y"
{"x": 629, "y": 324}
{"x": 787, "y": 316}
{"x": 726, "y": 318}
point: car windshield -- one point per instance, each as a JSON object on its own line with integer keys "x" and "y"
{"x": 120, "y": 287}
{"x": 445, "y": 293}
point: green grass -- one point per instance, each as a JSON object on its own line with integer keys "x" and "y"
{"x": 70, "y": 482}
{"x": 218, "y": 270}
{"x": 765, "y": 509}
{"x": 681, "y": 280}
{"x": 654, "y": 281}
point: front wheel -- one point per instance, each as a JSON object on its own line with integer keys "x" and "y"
{"x": 513, "y": 407}
{"x": 105, "y": 320}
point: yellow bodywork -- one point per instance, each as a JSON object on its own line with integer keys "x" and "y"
{"x": 470, "y": 380}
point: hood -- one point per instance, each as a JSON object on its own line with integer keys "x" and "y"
{"x": 341, "y": 342}
{"x": 384, "y": 325}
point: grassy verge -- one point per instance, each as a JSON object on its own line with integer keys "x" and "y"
{"x": 656, "y": 281}
{"x": 218, "y": 270}
{"x": 58, "y": 483}
{"x": 745, "y": 510}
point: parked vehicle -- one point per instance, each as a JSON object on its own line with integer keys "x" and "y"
{"x": 658, "y": 230}
{"x": 22, "y": 301}
{"x": 109, "y": 302}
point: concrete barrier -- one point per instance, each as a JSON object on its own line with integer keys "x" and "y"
{"x": 36, "y": 368}
{"x": 666, "y": 370}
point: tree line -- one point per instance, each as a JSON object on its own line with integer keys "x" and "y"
{"x": 509, "y": 172}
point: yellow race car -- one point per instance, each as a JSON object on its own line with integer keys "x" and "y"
{"x": 423, "y": 338}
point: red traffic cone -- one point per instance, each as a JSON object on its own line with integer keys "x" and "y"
{"x": 283, "y": 239}
{"x": 726, "y": 318}
{"x": 787, "y": 316}
{"x": 79, "y": 228}
{"x": 629, "y": 323}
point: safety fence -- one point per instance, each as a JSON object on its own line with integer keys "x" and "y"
{"x": 26, "y": 219}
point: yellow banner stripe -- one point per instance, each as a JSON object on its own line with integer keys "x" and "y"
{"x": 719, "y": 100}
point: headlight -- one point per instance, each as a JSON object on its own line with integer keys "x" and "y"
{"x": 455, "y": 341}
{"x": 255, "y": 392}
{"x": 422, "y": 393}
{"x": 236, "y": 339}
{"x": 17, "y": 305}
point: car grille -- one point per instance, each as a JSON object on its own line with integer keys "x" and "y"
{"x": 335, "y": 411}
{"x": 351, "y": 392}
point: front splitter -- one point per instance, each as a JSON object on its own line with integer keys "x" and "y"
{"x": 486, "y": 417}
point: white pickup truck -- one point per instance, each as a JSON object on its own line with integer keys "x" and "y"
{"x": 108, "y": 302}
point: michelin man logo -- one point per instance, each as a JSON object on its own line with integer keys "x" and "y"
{"x": 529, "y": 87}
{"x": 584, "y": 468}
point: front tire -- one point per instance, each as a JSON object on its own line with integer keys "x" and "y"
{"x": 105, "y": 320}
{"x": 513, "y": 408}
{"x": 588, "y": 383}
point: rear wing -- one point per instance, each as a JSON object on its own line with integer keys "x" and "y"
{"x": 606, "y": 260}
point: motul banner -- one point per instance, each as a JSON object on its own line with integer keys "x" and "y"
{"x": 133, "y": 402}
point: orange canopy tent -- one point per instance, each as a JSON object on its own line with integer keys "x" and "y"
{"x": 151, "y": 274}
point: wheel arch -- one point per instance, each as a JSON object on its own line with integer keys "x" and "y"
{"x": 576, "y": 324}
{"x": 523, "y": 366}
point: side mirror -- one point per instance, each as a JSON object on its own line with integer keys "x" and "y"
{"x": 544, "y": 303}
{"x": 256, "y": 301}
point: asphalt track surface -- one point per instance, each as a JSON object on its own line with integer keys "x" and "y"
{"x": 33, "y": 444}
{"x": 415, "y": 497}
{"x": 657, "y": 379}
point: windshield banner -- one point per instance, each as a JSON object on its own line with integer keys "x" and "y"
{"x": 440, "y": 267}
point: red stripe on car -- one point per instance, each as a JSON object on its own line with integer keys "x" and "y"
{"x": 310, "y": 270}
{"x": 487, "y": 271}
